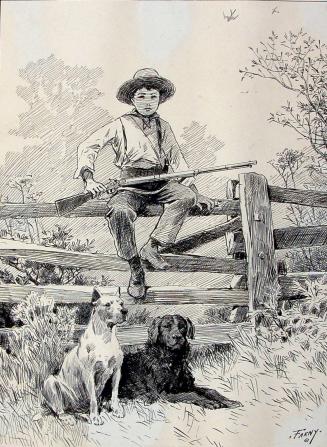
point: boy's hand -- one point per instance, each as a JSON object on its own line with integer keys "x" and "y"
{"x": 204, "y": 203}
{"x": 95, "y": 188}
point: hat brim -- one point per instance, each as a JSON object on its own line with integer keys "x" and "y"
{"x": 129, "y": 88}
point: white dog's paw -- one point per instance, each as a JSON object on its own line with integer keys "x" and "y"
{"x": 67, "y": 419}
{"x": 96, "y": 419}
{"x": 118, "y": 410}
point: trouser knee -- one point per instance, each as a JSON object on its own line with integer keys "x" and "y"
{"x": 119, "y": 213}
{"x": 188, "y": 200}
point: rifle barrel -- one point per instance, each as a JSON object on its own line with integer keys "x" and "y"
{"x": 68, "y": 204}
{"x": 184, "y": 174}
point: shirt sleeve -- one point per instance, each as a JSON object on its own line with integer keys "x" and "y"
{"x": 87, "y": 151}
{"x": 176, "y": 158}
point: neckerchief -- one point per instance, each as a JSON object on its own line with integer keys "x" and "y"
{"x": 146, "y": 120}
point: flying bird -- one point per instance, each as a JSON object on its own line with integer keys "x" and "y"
{"x": 275, "y": 11}
{"x": 231, "y": 15}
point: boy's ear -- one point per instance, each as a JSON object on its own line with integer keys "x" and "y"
{"x": 96, "y": 295}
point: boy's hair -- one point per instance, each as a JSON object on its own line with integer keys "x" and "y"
{"x": 165, "y": 90}
{"x": 148, "y": 84}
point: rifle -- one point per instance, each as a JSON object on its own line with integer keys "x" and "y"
{"x": 68, "y": 204}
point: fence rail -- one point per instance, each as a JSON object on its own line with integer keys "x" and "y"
{"x": 206, "y": 334}
{"x": 97, "y": 261}
{"x": 250, "y": 235}
{"x": 298, "y": 196}
{"x": 98, "y": 208}
{"x": 11, "y": 293}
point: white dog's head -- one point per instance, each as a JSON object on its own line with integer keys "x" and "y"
{"x": 109, "y": 306}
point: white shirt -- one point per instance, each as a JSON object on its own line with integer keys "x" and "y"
{"x": 141, "y": 148}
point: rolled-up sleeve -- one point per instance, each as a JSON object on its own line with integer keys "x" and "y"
{"x": 176, "y": 157}
{"x": 88, "y": 150}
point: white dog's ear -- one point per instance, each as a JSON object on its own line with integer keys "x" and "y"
{"x": 96, "y": 295}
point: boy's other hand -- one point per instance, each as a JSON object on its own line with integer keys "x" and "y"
{"x": 95, "y": 188}
{"x": 204, "y": 203}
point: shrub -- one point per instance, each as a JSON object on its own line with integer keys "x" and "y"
{"x": 215, "y": 315}
{"x": 36, "y": 349}
{"x": 138, "y": 317}
{"x": 40, "y": 273}
{"x": 6, "y": 277}
{"x": 302, "y": 321}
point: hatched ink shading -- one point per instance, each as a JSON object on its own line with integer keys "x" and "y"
{"x": 142, "y": 303}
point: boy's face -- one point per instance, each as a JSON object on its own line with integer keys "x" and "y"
{"x": 146, "y": 101}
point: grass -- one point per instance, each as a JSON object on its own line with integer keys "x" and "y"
{"x": 281, "y": 385}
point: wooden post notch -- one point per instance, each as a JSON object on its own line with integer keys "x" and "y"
{"x": 259, "y": 241}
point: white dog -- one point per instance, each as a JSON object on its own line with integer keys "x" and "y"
{"x": 87, "y": 367}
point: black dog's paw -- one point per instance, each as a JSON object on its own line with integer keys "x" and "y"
{"x": 210, "y": 395}
{"x": 209, "y": 404}
{"x": 203, "y": 397}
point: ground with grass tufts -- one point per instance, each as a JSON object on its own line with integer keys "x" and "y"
{"x": 280, "y": 382}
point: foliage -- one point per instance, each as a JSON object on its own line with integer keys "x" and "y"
{"x": 22, "y": 184}
{"x": 6, "y": 277}
{"x": 288, "y": 164}
{"x": 295, "y": 169}
{"x": 60, "y": 112}
{"x": 55, "y": 93}
{"x": 298, "y": 63}
{"x": 215, "y": 315}
{"x": 45, "y": 273}
{"x": 301, "y": 320}
{"x": 138, "y": 316}
{"x": 24, "y": 187}
{"x": 36, "y": 349}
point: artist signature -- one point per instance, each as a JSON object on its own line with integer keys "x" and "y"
{"x": 305, "y": 434}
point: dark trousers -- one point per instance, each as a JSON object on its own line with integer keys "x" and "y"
{"x": 126, "y": 205}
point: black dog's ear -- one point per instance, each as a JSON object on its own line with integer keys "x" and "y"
{"x": 190, "y": 328}
{"x": 153, "y": 331}
{"x": 96, "y": 295}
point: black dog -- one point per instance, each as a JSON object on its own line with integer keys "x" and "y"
{"x": 161, "y": 369}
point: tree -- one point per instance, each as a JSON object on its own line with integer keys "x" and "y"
{"x": 200, "y": 150}
{"x": 298, "y": 63}
{"x": 61, "y": 111}
{"x": 24, "y": 185}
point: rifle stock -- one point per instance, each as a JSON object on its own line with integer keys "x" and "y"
{"x": 68, "y": 204}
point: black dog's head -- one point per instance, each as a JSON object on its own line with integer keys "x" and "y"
{"x": 171, "y": 332}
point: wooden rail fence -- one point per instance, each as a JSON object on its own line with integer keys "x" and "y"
{"x": 251, "y": 241}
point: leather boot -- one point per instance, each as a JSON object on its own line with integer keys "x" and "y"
{"x": 150, "y": 253}
{"x": 136, "y": 287}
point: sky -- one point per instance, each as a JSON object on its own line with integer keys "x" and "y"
{"x": 191, "y": 43}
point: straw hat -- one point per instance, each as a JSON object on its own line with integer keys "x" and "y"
{"x": 149, "y": 78}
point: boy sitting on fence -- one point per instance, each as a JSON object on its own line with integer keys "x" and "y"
{"x": 144, "y": 144}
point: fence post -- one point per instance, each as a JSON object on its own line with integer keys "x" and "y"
{"x": 235, "y": 245}
{"x": 259, "y": 241}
